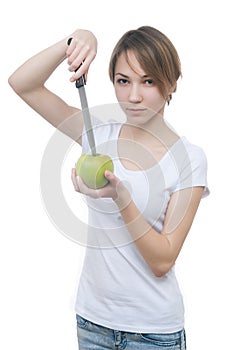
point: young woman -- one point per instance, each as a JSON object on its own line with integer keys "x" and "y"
{"x": 128, "y": 295}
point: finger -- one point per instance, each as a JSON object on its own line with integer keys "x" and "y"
{"x": 86, "y": 190}
{"x": 82, "y": 53}
{"x": 74, "y": 45}
{"x": 83, "y": 67}
{"x": 71, "y": 46}
{"x": 111, "y": 178}
{"x": 73, "y": 56}
{"x": 82, "y": 187}
{"x": 74, "y": 180}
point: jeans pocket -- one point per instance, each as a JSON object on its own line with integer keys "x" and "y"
{"x": 163, "y": 341}
{"x": 81, "y": 322}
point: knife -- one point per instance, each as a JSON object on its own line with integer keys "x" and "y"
{"x": 80, "y": 85}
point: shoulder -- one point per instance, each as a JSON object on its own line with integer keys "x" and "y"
{"x": 191, "y": 163}
{"x": 186, "y": 154}
{"x": 105, "y": 130}
{"x": 194, "y": 153}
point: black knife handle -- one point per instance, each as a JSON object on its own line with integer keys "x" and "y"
{"x": 80, "y": 81}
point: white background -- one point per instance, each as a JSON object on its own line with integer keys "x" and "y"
{"x": 39, "y": 266}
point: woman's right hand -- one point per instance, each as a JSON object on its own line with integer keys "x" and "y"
{"x": 82, "y": 50}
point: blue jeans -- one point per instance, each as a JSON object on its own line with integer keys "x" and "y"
{"x": 94, "y": 337}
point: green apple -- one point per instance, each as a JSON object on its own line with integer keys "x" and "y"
{"x": 91, "y": 169}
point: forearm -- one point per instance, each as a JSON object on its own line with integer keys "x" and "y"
{"x": 153, "y": 246}
{"x": 34, "y": 72}
{"x": 160, "y": 250}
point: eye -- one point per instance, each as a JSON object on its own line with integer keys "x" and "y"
{"x": 122, "y": 81}
{"x": 149, "y": 82}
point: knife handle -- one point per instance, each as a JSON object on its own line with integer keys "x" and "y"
{"x": 80, "y": 81}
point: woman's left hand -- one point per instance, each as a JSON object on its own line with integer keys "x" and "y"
{"x": 114, "y": 189}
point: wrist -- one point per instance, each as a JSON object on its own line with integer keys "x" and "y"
{"x": 123, "y": 199}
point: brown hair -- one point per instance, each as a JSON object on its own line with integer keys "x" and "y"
{"x": 155, "y": 53}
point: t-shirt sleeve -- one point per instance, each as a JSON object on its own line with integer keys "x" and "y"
{"x": 193, "y": 170}
{"x": 105, "y": 132}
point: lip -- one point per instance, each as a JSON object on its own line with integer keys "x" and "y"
{"x": 133, "y": 110}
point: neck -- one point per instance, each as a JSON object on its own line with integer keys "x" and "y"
{"x": 156, "y": 129}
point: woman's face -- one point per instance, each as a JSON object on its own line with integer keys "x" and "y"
{"x": 136, "y": 92}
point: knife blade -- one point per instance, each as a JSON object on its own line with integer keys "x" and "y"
{"x": 80, "y": 85}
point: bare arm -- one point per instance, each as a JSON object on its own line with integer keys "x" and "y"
{"x": 28, "y": 81}
{"x": 160, "y": 250}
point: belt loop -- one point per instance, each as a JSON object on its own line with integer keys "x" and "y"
{"x": 118, "y": 338}
{"x": 183, "y": 340}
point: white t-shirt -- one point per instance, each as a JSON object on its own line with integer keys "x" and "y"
{"x": 117, "y": 289}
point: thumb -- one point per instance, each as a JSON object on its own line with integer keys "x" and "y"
{"x": 111, "y": 177}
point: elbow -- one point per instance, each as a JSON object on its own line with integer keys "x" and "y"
{"x": 160, "y": 273}
{"x": 11, "y": 81}
{"x": 13, "y": 84}
{"x": 21, "y": 87}
{"x": 17, "y": 84}
{"x": 162, "y": 269}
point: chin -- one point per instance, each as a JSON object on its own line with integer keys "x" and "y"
{"x": 139, "y": 119}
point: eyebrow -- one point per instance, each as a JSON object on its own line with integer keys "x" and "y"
{"x": 125, "y": 76}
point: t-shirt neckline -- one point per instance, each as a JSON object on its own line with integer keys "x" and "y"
{"x": 157, "y": 164}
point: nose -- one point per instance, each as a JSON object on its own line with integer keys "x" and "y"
{"x": 135, "y": 95}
